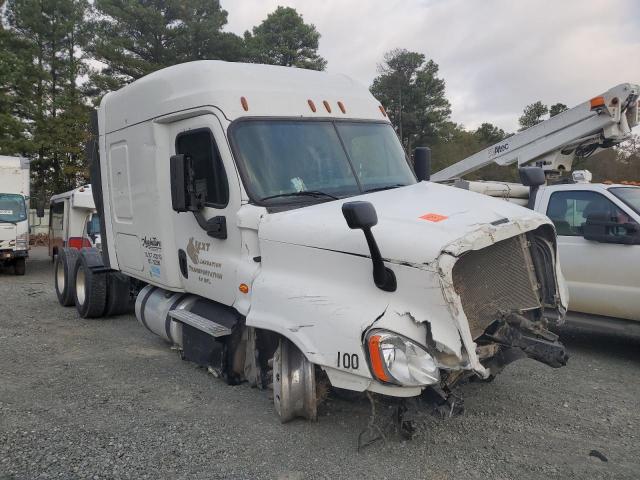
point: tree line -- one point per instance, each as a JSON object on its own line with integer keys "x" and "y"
{"x": 59, "y": 57}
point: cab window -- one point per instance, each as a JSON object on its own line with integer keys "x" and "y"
{"x": 570, "y": 210}
{"x": 201, "y": 147}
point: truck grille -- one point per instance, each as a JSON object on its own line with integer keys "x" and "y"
{"x": 494, "y": 281}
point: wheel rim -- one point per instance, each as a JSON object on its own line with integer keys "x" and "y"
{"x": 60, "y": 280}
{"x": 294, "y": 383}
{"x": 81, "y": 282}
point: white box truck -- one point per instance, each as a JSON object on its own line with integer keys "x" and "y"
{"x": 14, "y": 206}
{"x": 274, "y": 231}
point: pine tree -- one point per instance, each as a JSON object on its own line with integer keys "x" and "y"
{"x": 284, "y": 39}
{"x": 52, "y": 35}
{"x": 414, "y": 97}
{"x": 133, "y": 38}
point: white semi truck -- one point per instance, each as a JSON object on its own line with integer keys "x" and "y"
{"x": 598, "y": 225}
{"x": 14, "y": 208}
{"x": 274, "y": 231}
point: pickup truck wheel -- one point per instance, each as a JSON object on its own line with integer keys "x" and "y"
{"x": 90, "y": 290}
{"x": 119, "y": 299}
{"x": 294, "y": 383}
{"x": 63, "y": 274}
{"x": 19, "y": 266}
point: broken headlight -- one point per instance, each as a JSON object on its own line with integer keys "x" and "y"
{"x": 396, "y": 359}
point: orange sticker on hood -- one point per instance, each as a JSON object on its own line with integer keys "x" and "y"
{"x": 433, "y": 217}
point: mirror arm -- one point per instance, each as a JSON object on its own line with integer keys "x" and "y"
{"x": 215, "y": 227}
{"x": 383, "y": 277}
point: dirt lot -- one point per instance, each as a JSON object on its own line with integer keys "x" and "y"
{"x": 107, "y": 399}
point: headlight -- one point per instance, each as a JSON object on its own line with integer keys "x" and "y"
{"x": 396, "y": 359}
{"x": 22, "y": 242}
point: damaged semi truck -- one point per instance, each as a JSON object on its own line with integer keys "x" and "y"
{"x": 273, "y": 229}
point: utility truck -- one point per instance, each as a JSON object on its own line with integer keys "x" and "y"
{"x": 598, "y": 225}
{"x": 273, "y": 230}
{"x": 74, "y": 221}
{"x": 14, "y": 223}
{"x": 73, "y": 224}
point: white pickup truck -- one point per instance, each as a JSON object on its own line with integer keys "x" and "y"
{"x": 598, "y": 228}
{"x": 598, "y": 225}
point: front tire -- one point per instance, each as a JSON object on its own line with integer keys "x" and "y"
{"x": 63, "y": 267}
{"x": 19, "y": 266}
{"x": 90, "y": 289}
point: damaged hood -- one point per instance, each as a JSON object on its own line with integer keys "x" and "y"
{"x": 415, "y": 223}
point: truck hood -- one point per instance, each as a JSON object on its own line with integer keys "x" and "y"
{"x": 415, "y": 223}
{"x": 7, "y": 235}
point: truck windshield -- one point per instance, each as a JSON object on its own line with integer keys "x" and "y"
{"x": 284, "y": 158}
{"x": 12, "y": 208}
{"x": 629, "y": 195}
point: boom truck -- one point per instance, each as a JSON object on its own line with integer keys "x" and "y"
{"x": 598, "y": 225}
{"x": 14, "y": 222}
{"x": 271, "y": 228}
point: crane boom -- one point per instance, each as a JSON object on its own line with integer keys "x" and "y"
{"x": 602, "y": 122}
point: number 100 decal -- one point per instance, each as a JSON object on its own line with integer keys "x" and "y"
{"x": 348, "y": 360}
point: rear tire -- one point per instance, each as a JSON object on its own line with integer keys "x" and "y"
{"x": 19, "y": 266}
{"x": 119, "y": 300}
{"x": 90, "y": 289}
{"x": 63, "y": 267}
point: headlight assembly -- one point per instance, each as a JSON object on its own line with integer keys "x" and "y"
{"x": 398, "y": 360}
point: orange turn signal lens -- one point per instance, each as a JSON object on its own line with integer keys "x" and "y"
{"x": 377, "y": 362}
{"x": 312, "y": 105}
{"x": 597, "y": 102}
{"x": 244, "y": 288}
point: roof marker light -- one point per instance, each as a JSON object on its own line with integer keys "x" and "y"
{"x": 382, "y": 110}
{"x": 341, "y": 106}
{"x": 312, "y": 105}
{"x": 327, "y": 106}
{"x": 245, "y": 105}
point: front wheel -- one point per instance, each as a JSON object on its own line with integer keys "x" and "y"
{"x": 19, "y": 266}
{"x": 294, "y": 383}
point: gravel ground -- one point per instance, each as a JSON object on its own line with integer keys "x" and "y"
{"x": 107, "y": 399}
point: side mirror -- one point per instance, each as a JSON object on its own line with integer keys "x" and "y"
{"x": 422, "y": 163}
{"x": 40, "y": 212}
{"x": 532, "y": 177}
{"x": 362, "y": 216}
{"x": 184, "y": 194}
{"x": 599, "y": 228}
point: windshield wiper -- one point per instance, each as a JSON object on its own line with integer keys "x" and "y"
{"x": 309, "y": 193}
{"x": 15, "y": 222}
{"x": 386, "y": 187}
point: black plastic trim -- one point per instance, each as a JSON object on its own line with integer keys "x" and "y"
{"x": 93, "y": 154}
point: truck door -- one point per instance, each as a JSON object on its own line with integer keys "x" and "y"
{"x": 603, "y": 278}
{"x": 208, "y": 265}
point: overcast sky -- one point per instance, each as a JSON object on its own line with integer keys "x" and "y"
{"x": 496, "y": 56}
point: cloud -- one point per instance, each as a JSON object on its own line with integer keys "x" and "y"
{"x": 496, "y": 56}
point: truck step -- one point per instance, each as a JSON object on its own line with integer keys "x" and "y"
{"x": 201, "y": 323}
